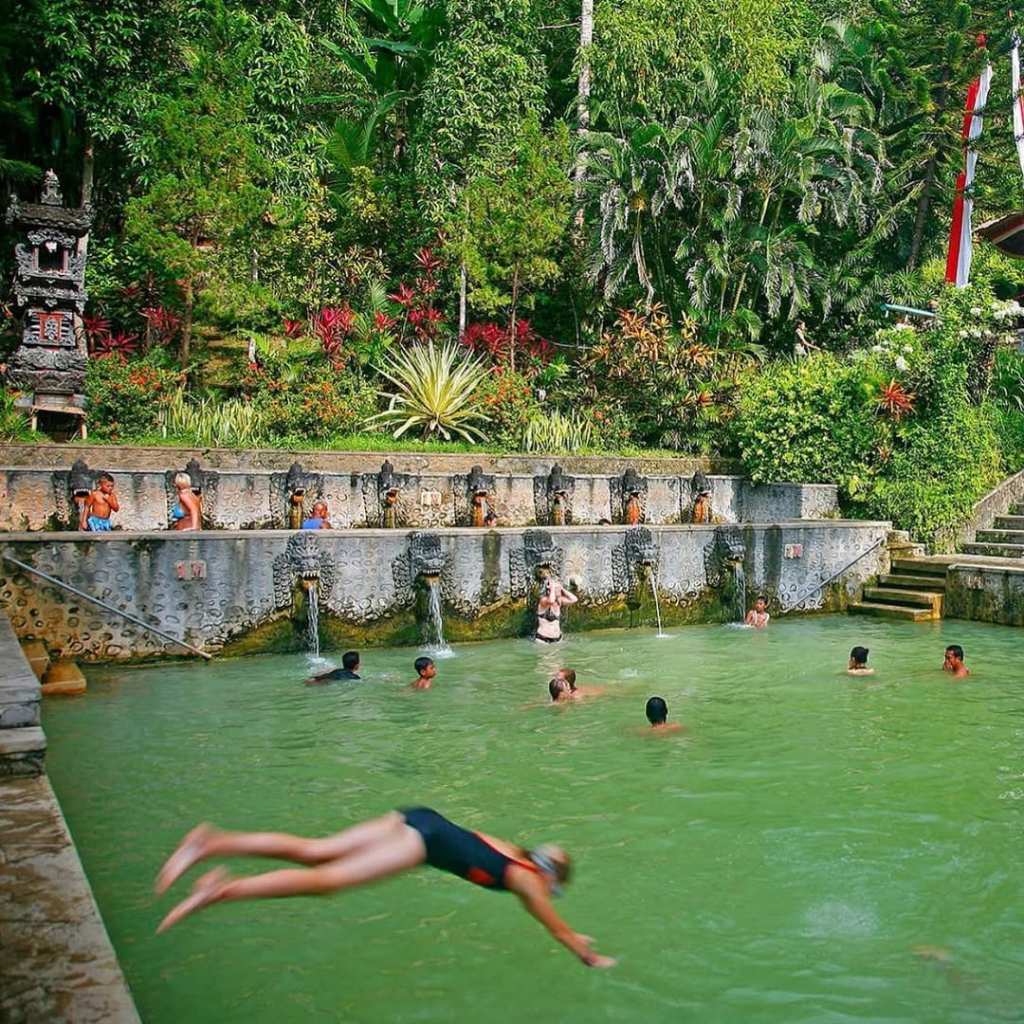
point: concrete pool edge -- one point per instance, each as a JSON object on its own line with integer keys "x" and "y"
{"x": 58, "y": 963}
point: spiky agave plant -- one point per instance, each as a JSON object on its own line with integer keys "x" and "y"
{"x": 435, "y": 388}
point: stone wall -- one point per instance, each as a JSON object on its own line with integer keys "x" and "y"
{"x": 985, "y": 593}
{"x": 239, "y": 591}
{"x": 41, "y": 499}
{"x": 22, "y": 743}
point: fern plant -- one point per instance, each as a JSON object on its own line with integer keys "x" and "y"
{"x": 435, "y": 388}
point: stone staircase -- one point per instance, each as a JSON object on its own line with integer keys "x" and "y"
{"x": 913, "y": 591}
{"x": 1004, "y": 540}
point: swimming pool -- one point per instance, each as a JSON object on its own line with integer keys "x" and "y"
{"x": 779, "y": 862}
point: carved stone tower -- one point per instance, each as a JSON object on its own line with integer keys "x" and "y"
{"x": 49, "y": 289}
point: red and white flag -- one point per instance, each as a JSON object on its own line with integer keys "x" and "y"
{"x": 1018, "y": 101}
{"x": 958, "y": 261}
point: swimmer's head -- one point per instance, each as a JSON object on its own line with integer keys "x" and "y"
{"x": 425, "y": 668}
{"x": 568, "y": 676}
{"x": 954, "y": 654}
{"x": 858, "y": 657}
{"x": 557, "y": 687}
{"x": 657, "y": 711}
{"x": 555, "y": 863}
{"x": 350, "y": 661}
{"x": 760, "y": 604}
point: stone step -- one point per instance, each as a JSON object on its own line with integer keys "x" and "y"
{"x": 891, "y": 611}
{"x": 36, "y": 656}
{"x": 1009, "y": 523}
{"x": 999, "y": 537}
{"x": 934, "y": 584}
{"x": 63, "y": 678}
{"x": 996, "y": 550}
{"x": 919, "y": 567}
{"x": 909, "y": 598}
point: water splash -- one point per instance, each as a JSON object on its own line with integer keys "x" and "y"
{"x": 313, "y": 621}
{"x": 739, "y": 591}
{"x": 657, "y": 604}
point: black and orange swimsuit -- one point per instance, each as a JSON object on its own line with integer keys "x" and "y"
{"x": 459, "y": 851}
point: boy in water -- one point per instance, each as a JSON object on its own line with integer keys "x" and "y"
{"x": 954, "y": 662}
{"x": 758, "y": 615}
{"x": 858, "y": 663}
{"x": 349, "y": 669}
{"x": 657, "y": 715}
{"x": 94, "y": 514}
{"x": 318, "y": 520}
{"x": 425, "y": 672}
{"x": 563, "y": 687}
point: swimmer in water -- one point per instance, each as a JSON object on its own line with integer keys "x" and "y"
{"x": 349, "y": 671}
{"x": 858, "y": 663}
{"x": 758, "y": 615}
{"x": 549, "y": 611}
{"x": 953, "y": 662}
{"x": 425, "y": 672}
{"x": 563, "y": 687}
{"x": 386, "y": 846}
{"x": 657, "y": 714}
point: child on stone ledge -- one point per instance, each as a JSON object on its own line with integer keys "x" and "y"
{"x": 94, "y": 513}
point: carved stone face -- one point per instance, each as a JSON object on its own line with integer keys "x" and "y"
{"x": 640, "y": 547}
{"x": 304, "y": 555}
{"x": 426, "y": 554}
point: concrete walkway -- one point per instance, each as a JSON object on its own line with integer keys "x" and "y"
{"x": 56, "y": 961}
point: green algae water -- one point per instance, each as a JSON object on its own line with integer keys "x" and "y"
{"x": 814, "y": 848}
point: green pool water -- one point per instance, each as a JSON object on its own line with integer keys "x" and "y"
{"x": 778, "y": 863}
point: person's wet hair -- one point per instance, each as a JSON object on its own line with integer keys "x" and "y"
{"x": 350, "y": 660}
{"x": 104, "y": 478}
{"x": 761, "y": 599}
{"x": 549, "y": 854}
{"x": 956, "y": 650}
{"x": 656, "y": 711}
{"x": 569, "y": 675}
{"x": 555, "y": 688}
{"x": 422, "y": 664}
{"x": 859, "y": 655}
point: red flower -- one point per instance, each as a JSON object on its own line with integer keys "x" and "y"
{"x": 404, "y": 297}
{"x": 895, "y": 400}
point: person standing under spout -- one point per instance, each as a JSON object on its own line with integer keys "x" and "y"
{"x": 549, "y": 610}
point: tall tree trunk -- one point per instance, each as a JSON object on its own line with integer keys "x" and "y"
{"x": 924, "y": 201}
{"x": 583, "y": 102}
{"x": 185, "y": 344}
{"x": 512, "y": 326}
{"x": 462, "y": 300}
{"x": 88, "y": 168}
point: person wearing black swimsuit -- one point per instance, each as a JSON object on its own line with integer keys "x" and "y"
{"x": 376, "y": 849}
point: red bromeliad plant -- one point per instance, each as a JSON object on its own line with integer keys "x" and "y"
{"x": 332, "y": 325}
{"x": 496, "y": 341}
{"x": 119, "y": 344}
{"x": 161, "y": 323}
{"x": 293, "y": 328}
{"x": 96, "y": 329}
{"x": 417, "y": 302}
{"x": 895, "y": 400}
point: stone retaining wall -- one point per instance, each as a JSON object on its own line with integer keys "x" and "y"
{"x": 41, "y": 499}
{"x": 985, "y": 593}
{"x": 22, "y": 743}
{"x": 239, "y": 591}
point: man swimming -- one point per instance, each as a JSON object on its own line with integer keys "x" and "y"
{"x": 953, "y": 662}
{"x": 349, "y": 669}
{"x": 758, "y": 615}
{"x": 657, "y": 714}
{"x": 549, "y": 610}
{"x": 858, "y": 663}
{"x": 376, "y": 849}
{"x": 563, "y": 687}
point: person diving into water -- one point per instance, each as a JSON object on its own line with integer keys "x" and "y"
{"x": 376, "y": 849}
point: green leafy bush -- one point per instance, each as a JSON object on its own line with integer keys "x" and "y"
{"x": 508, "y": 402}
{"x": 321, "y": 404}
{"x": 126, "y": 396}
{"x": 13, "y": 422}
{"x": 811, "y": 421}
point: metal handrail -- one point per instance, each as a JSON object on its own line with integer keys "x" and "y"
{"x": 106, "y": 607}
{"x": 824, "y": 583}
